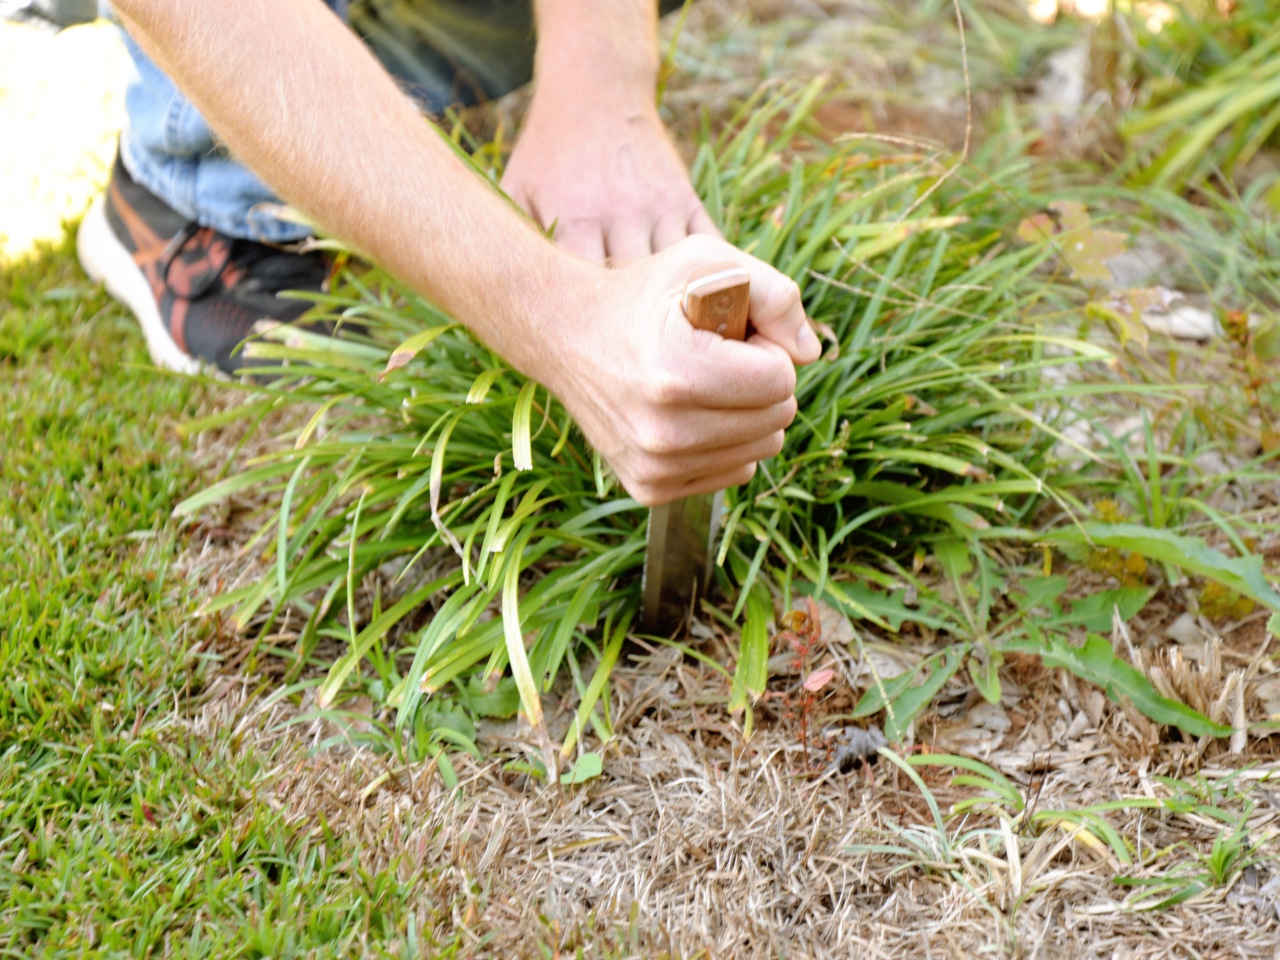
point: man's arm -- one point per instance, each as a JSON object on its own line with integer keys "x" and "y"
{"x": 594, "y": 157}
{"x": 299, "y": 99}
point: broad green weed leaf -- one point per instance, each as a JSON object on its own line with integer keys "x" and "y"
{"x": 1095, "y": 612}
{"x": 986, "y": 674}
{"x": 1041, "y": 592}
{"x": 588, "y": 767}
{"x": 901, "y": 701}
{"x": 1242, "y": 574}
{"x": 904, "y": 708}
{"x": 1097, "y": 663}
{"x": 955, "y": 557}
{"x": 502, "y": 702}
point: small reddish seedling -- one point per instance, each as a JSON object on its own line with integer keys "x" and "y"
{"x": 802, "y": 632}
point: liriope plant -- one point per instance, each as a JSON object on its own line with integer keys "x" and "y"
{"x": 428, "y": 461}
{"x": 1213, "y": 92}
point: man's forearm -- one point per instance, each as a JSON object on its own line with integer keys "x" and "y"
{"x": 299, "y": 99}
{"x": 674, "y": 410}
{"x": 590, "y": 50}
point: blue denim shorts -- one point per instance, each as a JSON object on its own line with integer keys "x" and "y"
{"x": 444, "y": 52}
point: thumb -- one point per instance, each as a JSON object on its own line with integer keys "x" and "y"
{"x": 777, "y": 312}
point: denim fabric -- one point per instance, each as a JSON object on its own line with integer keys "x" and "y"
{"x": 444, "y": 52}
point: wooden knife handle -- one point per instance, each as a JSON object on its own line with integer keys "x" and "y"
{"x": 717, "y": 299}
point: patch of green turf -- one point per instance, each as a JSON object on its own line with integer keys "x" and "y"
{"x": 121, "y": 833}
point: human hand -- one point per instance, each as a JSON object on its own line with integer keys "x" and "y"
{"x": 608, "y": 178}
{"x": 676, "y": 410}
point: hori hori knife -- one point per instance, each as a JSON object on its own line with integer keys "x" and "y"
{"x": 682, "y": 534}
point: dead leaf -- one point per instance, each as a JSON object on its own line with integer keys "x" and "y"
{"x": 976, "y": 733}
{"x": 1036, "y": 228}
{"x": 1085, "y": 249}
{"x": 819, "y": 679}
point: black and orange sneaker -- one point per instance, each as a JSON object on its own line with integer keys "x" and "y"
{"x": 197, "y": 293}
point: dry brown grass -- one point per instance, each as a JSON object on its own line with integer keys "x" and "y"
{"x": 696, "y": 843}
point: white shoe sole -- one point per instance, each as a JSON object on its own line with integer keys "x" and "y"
{"x": 106, "y": 260}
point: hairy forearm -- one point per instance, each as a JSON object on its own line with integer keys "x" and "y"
{"x": 599, "y": 51}
{"x": 300, "y": 100}
{"x": 674, "y": 410}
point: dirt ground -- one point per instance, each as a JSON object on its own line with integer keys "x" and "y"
{"x": 695, "y": 842}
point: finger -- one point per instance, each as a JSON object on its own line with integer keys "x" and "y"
{"x": 627, "y": 241}
{"x": 583, "y": 240}
{"x": 691, "y": 433}
{"x": 525, "y": 201}
{"x": 702, "y": 223}
{"x": 776, "y": 309}
{"x": 703, "y": 369}
{"x": 777, "y": 312}
{"x": 670, "y": 229}
{"x": 715, "y": 462}
{"x": 737, "y": 477}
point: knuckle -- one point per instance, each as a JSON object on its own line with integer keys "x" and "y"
{"x": 783, "y": 385}
{"x": 655, "y": 438}
{"x": 665, "y": 389}
{"x": 791, "y": 297}
{"x": 775, "y": 444}
{"x": 644, "y": 494}
{"x": 783, "y": 299}
{"x": 651, "y": 472}
{"x": 644, "y": 479}
{"x": 633, "y": 210}
{"x": 702, "y": 245}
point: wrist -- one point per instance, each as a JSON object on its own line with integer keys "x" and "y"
{"x": 605, "y": 91}
{"x": 560, "y": 295}
{"x": 598, "y": 54}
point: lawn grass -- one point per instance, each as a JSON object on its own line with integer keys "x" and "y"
{"x": 124, "y": 829}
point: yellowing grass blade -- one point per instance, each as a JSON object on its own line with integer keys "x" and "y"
{"x": 522, "y": 428}
{"x": 515, "y": 638}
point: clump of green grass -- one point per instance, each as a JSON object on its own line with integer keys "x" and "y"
{"x": 1211, "y": 85}
{"x": 506, "y": 551}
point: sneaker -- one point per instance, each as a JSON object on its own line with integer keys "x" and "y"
{"x": 197, "y": 293}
